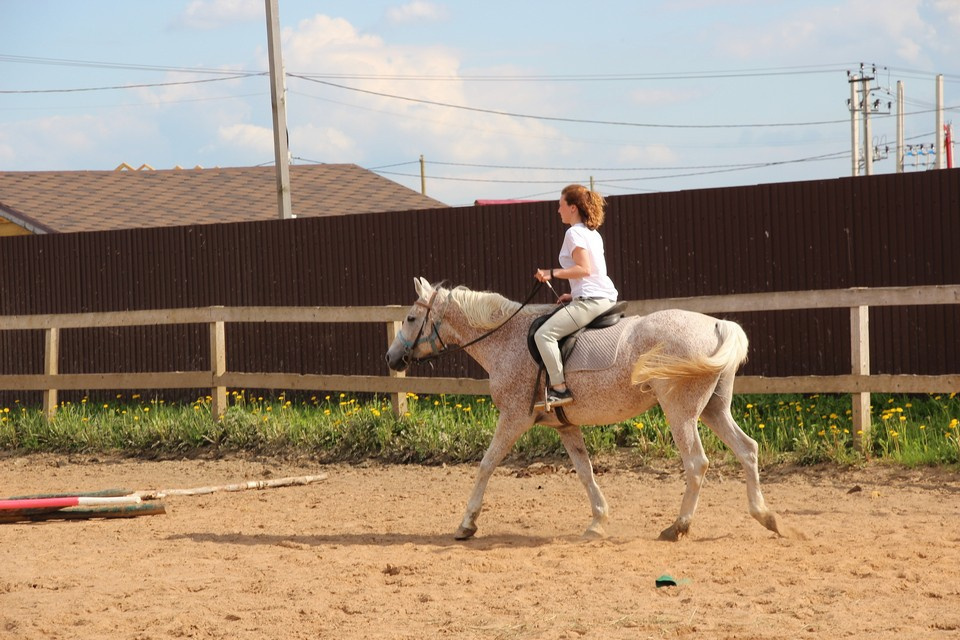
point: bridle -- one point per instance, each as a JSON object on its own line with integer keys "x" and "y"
{"x": 433, "y": 338}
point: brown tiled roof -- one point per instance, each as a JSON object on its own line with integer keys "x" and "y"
{"x": 68, "y": 201}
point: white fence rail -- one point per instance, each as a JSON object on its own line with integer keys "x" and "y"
{"x": 859, "y": 383}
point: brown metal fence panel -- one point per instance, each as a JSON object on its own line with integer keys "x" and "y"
{"x": 851, "y": 232}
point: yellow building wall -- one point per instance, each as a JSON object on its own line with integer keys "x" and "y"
{"x": 8, "y": 228}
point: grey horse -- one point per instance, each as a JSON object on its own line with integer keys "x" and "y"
{"x": 681, "y": 360}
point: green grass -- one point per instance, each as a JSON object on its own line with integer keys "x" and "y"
{"x": 908, "y": 430}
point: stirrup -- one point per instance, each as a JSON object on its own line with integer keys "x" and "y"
{"x": 553, "y": 398}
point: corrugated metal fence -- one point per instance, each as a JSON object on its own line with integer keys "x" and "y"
{"x": 891, "y": 230}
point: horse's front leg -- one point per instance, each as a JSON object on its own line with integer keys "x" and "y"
{"x": 572, "y": 438}
{"x": 508, "y": 430}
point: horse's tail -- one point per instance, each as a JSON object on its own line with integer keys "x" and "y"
{"x": 730, "y": 354}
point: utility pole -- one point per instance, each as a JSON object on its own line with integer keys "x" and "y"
{"x": 940, "y": 164}
{"x": 854, "y": 126}
{"x": 860, "y": 104}
{"x": 900, "y": 126}
{"x": 423, "y": 176}
{"x": 278, "y": 100}
{"x": 867, "y": 132}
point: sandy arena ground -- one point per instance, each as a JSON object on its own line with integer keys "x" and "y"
{"x": 368, "y": 553}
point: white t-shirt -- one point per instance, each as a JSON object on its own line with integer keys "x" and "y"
{"x": 597, "y": 284}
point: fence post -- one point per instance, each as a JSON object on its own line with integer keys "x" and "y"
{"x": 397, "y": 400}
{"x": 51, "y": 367}
{"x": 860, "y": 361}
{"x": 218, "y": 367}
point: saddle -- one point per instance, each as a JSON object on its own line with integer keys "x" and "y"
{"x": 567, "y": 344}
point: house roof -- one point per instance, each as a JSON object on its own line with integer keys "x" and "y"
{"x": 69, "y": 201}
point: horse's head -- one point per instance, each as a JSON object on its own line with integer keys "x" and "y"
{"x": 418, "y": 336}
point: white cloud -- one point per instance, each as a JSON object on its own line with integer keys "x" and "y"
{"x": 854, "y": 29}
{"x": 248, "y": 137}
{"x": 417, "y": 11}
{"x": 323, "y": 144}
{"x": 951, "y": 8}
{"x": 98, "y": 140}
{"x": 212, "y": 14}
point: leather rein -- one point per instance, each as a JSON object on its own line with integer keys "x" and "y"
{"x": 433, "y": 338}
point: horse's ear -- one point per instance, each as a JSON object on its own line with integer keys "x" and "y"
{"x": 423, "y": 287}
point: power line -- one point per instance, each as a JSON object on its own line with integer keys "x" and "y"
{"x": 593, "y": 77}
{"x": 131, "y": 86}
{"x": 92, "y": 64}
{"x": 689, "y": 171}
{"x": 561, "y": 119}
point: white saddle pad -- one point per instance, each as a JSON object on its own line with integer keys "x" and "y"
{"x": 597, "y": 349}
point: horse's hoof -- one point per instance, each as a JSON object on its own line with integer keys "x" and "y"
{"x": 464, "y": 533}
{"x": 594, "y": 534}
{"x": 673, "y": 533}
{"x": 769, "y": 520}
{"x": 669, "y": 535}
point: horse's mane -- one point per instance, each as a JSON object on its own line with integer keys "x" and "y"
{"x": 484, "y": 310}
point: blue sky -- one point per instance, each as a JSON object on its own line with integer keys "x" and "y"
{"x": 503, "y": 99}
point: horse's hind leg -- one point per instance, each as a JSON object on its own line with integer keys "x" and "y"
{"x": 718, "y": 417}
{"x": 572, "y": 438}
{"x": 503, "y": 440}
{"x": 683, "y": 426}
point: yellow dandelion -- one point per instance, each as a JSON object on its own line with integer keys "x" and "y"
{"x": 761, "y": 426}
{"x": 893, "y": 434}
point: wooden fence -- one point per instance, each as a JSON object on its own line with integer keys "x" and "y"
{"x": 859, "y": 382}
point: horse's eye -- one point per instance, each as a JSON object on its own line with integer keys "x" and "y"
{"x": 411, "y": 318}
